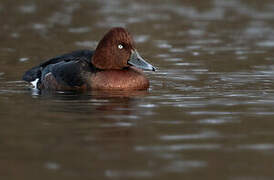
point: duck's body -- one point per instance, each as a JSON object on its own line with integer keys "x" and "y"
{"x": 106, "y": 68}
{"x": 64, "y": 72}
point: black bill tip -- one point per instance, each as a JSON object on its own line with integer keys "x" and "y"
{"x": 137, "y": 61}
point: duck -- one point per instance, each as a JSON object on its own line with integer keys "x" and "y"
{"x": 115, "y": 64}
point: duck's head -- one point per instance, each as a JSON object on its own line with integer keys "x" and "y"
{"x": 117, "y": 51}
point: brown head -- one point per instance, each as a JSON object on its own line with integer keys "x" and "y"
{"x": 117, "y": 51}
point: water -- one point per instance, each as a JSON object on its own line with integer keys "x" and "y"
{"x": 207, "y": 115}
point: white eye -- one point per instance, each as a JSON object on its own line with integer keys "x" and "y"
{"x": 120, "y": 46}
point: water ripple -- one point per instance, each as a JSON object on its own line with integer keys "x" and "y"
{"x": 201, "y": 135}
{"x": 28, "y": 9}
{"x": 185, "y": 165}
{"x": 257, "y": 147}
{"x": 79, "y": 30}
{"x": 178, "y": 147}
{"x": 127, "y": 173}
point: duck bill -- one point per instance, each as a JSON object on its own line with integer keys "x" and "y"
{"x": 137, "y": 61}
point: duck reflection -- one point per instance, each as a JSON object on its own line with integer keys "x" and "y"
{"x": 98, "y": 116}
{"x": 94, "y": 104}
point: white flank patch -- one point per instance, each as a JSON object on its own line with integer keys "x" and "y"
{"x": 34, "y": 83}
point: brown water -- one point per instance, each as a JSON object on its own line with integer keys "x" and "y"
{"x": 207, "y": 115}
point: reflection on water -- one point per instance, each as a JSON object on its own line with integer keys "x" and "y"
{"x": 209, "y": 109}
